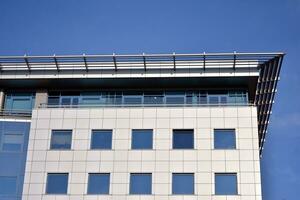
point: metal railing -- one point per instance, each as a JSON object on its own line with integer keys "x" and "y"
{"x": 142, "y": 105}
{"x": 15, "y": 113}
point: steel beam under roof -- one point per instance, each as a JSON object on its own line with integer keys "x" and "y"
{"x": 269, "y": 65}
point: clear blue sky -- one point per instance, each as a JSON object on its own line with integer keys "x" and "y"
{"x": 46, "y": 27}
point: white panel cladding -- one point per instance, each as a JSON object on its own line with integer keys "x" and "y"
{"x": 162, "y": 161}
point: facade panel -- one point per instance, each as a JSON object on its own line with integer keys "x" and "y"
{"x": 162, "y": 161}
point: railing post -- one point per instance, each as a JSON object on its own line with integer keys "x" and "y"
{"x": 2, "y": 97}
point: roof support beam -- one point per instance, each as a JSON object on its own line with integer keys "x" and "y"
{"x": 27, "y": 62}
{"x": 234, "y": 60}
{"x": 56, "y": 63}
{"x": 115, "y": 62}
{"x": 144, "y": 60}
{"x": 85, "y": 63}
{"x": 174, "y": 61}
{"x": 204, "y": 61}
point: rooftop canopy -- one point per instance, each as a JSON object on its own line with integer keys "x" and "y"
{"x": 268, "y": 64}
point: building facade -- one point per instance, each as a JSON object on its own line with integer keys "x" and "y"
{"x": 169, "y": 127}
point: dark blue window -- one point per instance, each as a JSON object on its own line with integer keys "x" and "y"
{"x": 61, "y": 139}
{"x": 98, "y": 183}
{"x": 224, "y": 139}
{"x": 8, "y": 185}
{"x": 140, "y": 183}
{"x": 225, "y": 184}
{"x": 142, "y": 139}
{"x": 183, "y": 183}
{"x": 101, "y": 139}
{"x": 183, "y": 139}
{"x": 57, "y": 183}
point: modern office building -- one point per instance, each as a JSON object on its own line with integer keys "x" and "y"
{"x": 133, "y": 127}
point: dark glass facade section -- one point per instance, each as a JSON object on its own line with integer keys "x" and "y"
{"x": 183, "y": 139}
{"x": 224, "y": 139}
{"x": 61, "y": 139}
{"x": 98, "y": 183}
{"x": 13, "y": 151}
{"x": 226, "y": 184}
{"x": 101, "y": 139}
{"x": 182, "y": 97}
{"x": 57, "y": 183}
{"x": 140, "y": 183}
{"x": 142, "y": 139}
{"x": 183, "y": 183}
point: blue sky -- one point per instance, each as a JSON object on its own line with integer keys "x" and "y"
{"x": 49, "y": 27}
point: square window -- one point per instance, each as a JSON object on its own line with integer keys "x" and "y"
{"x": 183, "y": 183}
{"x": 8, "y": 185}
{"x": 140, "y": 183}
{"x": 142, "y": 139}
{"x": 183, "y": 139}
{"x": 61, "y": 139}
{"x": 57, "y": 183}
{"x": 224, "y": 139}
{"x": 12, "y": 142}
{"x": 101, "y": 139}
{"x": 226, "y": 184}
{"x": 98, "y": 183}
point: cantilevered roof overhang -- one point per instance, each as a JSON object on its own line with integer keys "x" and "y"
{"x": 257, "y": 70}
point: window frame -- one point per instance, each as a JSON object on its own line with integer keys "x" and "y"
{"x": 47, "y": 184}
{"x": 61, "y": 149}
{"x": 132, "y": 139}
{"x": 142, "y": 174}
{"x": 101, "y": 130}
{"x": 226, "y": 174}
{"x": 88, "y": 183}
{"x": 234, "y": 142}
{"x": 182, "y": 130}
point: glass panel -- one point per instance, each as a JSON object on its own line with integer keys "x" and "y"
{"x": 183, "y": 184}
{"x": 61, "y": 139}
{"x": 8, "y": 185}
{"x": 203, "y": 99}
{"x": 140, "y": 183}
{"x": 213, "y": 99}
{"x": 142, "y": 139}
{"x": 57, "y": 184}
{"x": 226, "y": 184}
{"x": 19, "y": 101}
{"x": 183, "y": 139}
{"x": 175, "y": 100}
{"x": 21, "y": 104}
{"x": 98, "y": 184}
{"x": 223, "y": 99}
{"x": 90, "y": 100}
{"x": 101, "y": 139}
{"x": 12, "y": 142}
{"x": 224, "y": 139}
{"x": 153, "y": 99}
{"x": 75, "y": 101}
{"x": 132, "y": 99}
{"x": 66, "y": 101}
{"x": 53, "y": 100}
